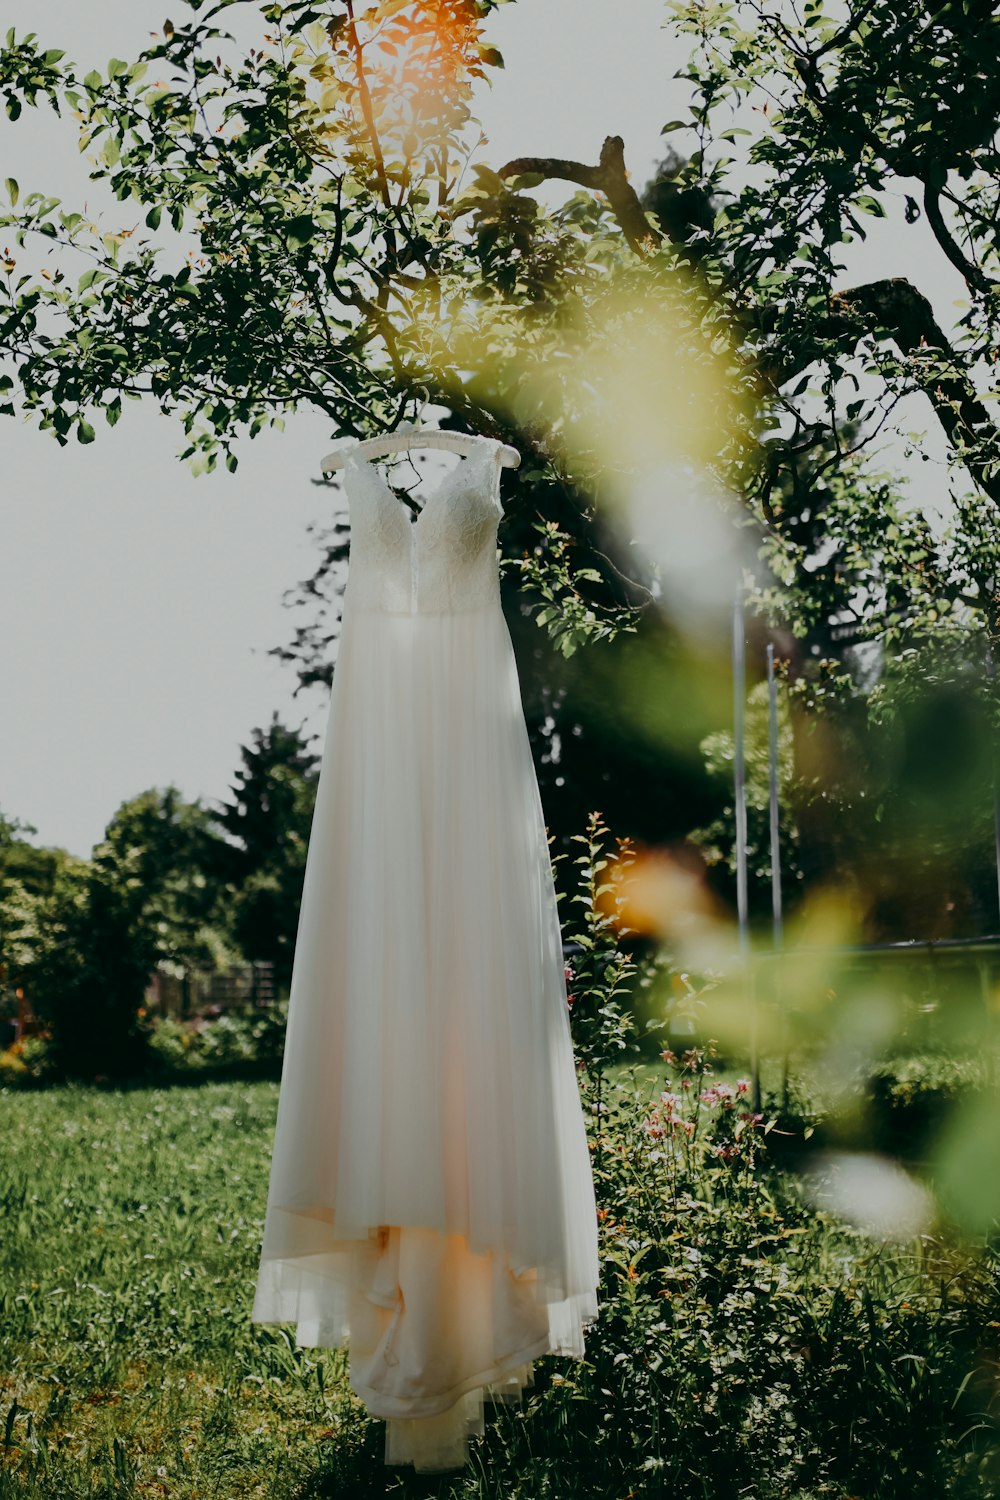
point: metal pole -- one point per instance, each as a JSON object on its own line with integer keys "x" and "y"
{"x": 991, "y": 671}
{"x": 772, "y": 725}
{"x": 740, "y": 809}
{"x": 996, "y": 829}
{"x": 775, "y": 851}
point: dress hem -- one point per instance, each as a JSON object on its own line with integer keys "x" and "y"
{"x": 381, "y": 1406}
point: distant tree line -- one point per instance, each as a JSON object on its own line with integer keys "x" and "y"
{"x": 171, "y": 882}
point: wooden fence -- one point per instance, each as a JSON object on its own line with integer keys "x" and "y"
{"x": 202, "y": 992}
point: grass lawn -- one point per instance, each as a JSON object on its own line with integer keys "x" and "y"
{"x": 132, "y": 1229}
{"x": 128, "y": 1364}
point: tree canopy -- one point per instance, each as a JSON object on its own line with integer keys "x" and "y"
{"x": 311, "y": 219}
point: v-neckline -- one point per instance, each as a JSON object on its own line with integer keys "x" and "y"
{"x": 436, "y": 494}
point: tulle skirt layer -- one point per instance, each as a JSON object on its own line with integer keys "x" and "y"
{"x": 431, "y": 1203}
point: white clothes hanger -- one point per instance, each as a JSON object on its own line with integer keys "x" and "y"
{"x": 408, "y": 435}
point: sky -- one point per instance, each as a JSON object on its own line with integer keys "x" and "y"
{"x": 138, "y": 602}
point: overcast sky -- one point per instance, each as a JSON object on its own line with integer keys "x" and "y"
{"x": 137, "y": 603}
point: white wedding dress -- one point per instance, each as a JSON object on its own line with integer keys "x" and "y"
{"x": 431, "y": 1203}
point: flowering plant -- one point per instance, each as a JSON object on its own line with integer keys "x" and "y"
{"x": 694, "y": 1122}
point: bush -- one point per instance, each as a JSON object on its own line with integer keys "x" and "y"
{"x": 744, "y": 1336}
{"x": 898, "y": 1106}
{"x": 28, "y": 1062}
{"x": 230, "y": 1041}
{"x": 909, "y": 1099}
{"x": 87, "y": 974}
{"x": 250, "y": 1039}
{"x": 173, "y": 1044}
{"x": 747, "y": 1343}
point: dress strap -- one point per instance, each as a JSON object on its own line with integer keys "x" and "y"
{"x": 496, "y": 468}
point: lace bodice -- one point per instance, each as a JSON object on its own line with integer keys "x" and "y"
{"x": 445, "y": 562}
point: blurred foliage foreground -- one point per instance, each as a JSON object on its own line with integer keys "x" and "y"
{"x": 788, "y": 1307}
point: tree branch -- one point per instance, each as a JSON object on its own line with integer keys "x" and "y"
{"x": 895, "y": 307}
{"x": 608, "y": 177}
{"x": 973, "y": 275}
{"x": 365, "y": 98}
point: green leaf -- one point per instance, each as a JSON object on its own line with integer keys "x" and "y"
{"x": 486, "y": 178}
{"x": 84, "y": 432}
{"x": 13, "y": 190}
{"x": 153, "y": 217}
{"x": 93, "y": 81}
{"x": 675, "y": 125}
{"x": 300, "y": 231}
{"x": 870, "y": 205}
{"x": 113, "y": 411}
{"x": 116, "y": 66}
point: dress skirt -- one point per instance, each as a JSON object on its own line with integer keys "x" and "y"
{"x": 431, "y": 1203}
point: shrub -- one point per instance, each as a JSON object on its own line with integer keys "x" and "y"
{"x": 910, "y": 1098}
{"x": 898, "y": 1106}
{"x": 88, "y": 972}
{"x": 236, "y": 1038}
{"x": 173, "y": 1044}
{"x": 13, "y": 1071}
{"x": 27, "y": 1062}
{"x": 747, "y": 1343}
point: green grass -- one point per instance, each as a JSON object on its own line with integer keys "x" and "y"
{"x": 132, "y": 1224}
